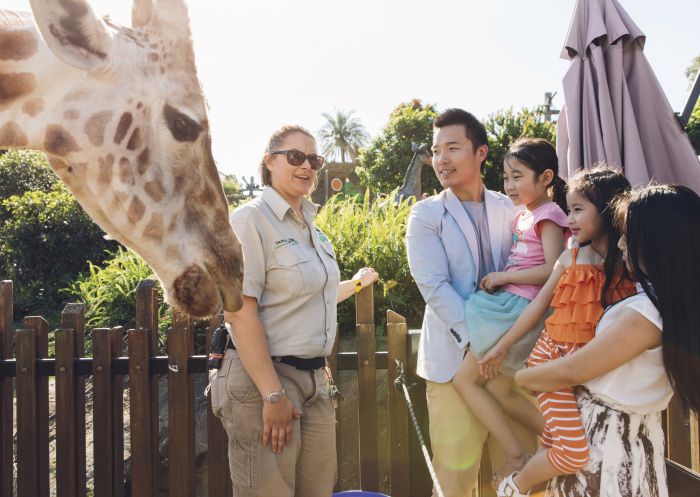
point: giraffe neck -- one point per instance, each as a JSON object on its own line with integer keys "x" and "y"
{"x": 412, "y": 179}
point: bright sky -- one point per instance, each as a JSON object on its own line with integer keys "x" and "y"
{"x": 266, "y": 63}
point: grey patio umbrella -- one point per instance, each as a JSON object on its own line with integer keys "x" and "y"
{"x": 614, "y": 108}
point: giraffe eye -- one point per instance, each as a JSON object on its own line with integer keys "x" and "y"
{"x": 182, "y": 127}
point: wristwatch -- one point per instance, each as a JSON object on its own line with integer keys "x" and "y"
{"x": 274, "y": 397}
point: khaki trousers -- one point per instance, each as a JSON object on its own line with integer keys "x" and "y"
{"x": 457, "y": 438}
{"x": 308, "y": 467}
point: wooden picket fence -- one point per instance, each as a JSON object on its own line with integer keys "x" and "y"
{"x": 25, "y": 378}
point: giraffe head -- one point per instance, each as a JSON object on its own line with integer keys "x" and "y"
{"x": 122, "y": 116}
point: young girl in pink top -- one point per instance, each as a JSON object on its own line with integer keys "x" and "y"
{"x": 539, "y": 234}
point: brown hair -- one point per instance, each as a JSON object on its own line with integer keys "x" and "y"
{"x": 275, "y": 142}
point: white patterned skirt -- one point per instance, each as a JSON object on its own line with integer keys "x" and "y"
{"x": 626, "y": 454}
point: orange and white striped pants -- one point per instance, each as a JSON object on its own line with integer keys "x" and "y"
{"x": 563, "y": 430}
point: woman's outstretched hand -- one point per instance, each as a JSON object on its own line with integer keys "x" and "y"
{"x": 366, "y": 276}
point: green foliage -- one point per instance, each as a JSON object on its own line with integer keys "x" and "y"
{"x": 502, "y": 129}
{"x": 693, "y": 128}
{"x": 692, "y": 70}
{"x": 109, "y": 292}
{"x": 46, "y": 239}
{"x": 231, "y": 186}
{"x": 368, "y": 234}
{"x": 23, "y": 171}
{"x": 382, "y": 166}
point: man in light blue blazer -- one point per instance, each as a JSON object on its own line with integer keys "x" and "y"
{"x": 453, "y": 240}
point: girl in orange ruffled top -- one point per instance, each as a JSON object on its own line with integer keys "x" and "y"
{"x": 585, "y": 280}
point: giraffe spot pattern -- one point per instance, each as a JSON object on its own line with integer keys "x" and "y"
{"x": 154, "y": 189}
{"x": 71, "y": 114}
{"x": 17, "y": 45}
{"x": 11, "y": 135}
{"x": 154, "y": 228}
{"x": 124, "y": 124}
{"x": 106, "y": 169}
{"x": 142, "y": 161}
{"x": 14, "y": 86}
{"x": 58, "y": 141}
{"x": 136, "y": 210}
{"x": 126, "y": 174}
{"x": 135, "y": 140}
{"x": 33, "y": 106}
{"x": 95, "y": 127}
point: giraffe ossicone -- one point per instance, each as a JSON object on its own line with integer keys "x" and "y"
{"x": 122, "y": 117}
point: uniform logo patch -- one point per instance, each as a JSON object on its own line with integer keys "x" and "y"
{"x": 285, "y": 242}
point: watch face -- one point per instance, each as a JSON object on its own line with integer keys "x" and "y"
{"x": 274, "y": 397}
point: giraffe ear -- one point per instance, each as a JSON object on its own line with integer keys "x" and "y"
{"x": 73, "y": 32}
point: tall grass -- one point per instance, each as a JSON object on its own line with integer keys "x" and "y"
{"x": 368, "y": 233}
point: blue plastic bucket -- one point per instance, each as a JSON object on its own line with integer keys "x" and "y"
{"x": 358, "y": 493}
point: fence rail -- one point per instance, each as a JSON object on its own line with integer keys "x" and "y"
{"x": 127, "y": 362}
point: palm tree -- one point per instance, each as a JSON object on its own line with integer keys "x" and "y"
{"x": 342, "y": 136}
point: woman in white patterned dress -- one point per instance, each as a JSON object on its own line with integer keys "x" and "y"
{"x": 646, "y": 346}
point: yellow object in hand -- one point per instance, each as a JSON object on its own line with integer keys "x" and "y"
{"x": 358, "y": 286}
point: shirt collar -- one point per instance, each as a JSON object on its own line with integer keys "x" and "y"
{"x": 280, "y": 206}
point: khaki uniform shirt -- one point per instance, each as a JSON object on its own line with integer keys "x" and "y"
{"x": 290, "y": 268}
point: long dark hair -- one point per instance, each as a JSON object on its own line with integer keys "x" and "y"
{"x": 662, "y": 223}
{"x": 539, "y": 155}
{"x": 602, "y": 185}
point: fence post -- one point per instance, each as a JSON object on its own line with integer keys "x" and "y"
{"x": 27, "y": 419}
{"x": 102, "y": 412}
{"x": 147, "y": 319}
{"x": 6, "y": 420}
{"x": 41, "y": 335}
{"x": 678, "y": 433}
{"x": 367, "y": 390}
{"x": 421, "y": 483}
{"x": 180, "y": 408}
{"x": 398, "y": 412}
{"x": 140, "y": 414}
{"x": 116, "y": 335}
{"x": 66, "y": 474}
{"x": 219, "y": 476}
{"x": 333, "y": 365}
{"x": 73, "y": 317}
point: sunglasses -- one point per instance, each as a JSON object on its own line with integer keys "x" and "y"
{"x": 297, "y": 158}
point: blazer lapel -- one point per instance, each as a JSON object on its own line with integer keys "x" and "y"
{"x": 455, "y": 208}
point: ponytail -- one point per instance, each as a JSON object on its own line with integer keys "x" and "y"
{"x": 557, "y": 192}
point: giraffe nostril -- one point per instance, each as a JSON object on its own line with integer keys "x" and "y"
{"x": 196, "y": 293}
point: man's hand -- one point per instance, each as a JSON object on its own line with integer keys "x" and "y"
{"x": 491, "y": 361}
{"x": 277, "y": 424}
{"x": 492, "y": 281}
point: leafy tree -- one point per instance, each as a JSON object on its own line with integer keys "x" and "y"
{"x": 382, "y": 166}
{"x": 502, "y": 129}
{"x": 46, "y": 239}
{"x": 23, "y": 171}
{"x": 692, "y": 70}
{"x": 342, "y": 136}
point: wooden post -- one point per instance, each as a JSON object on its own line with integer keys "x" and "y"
{"x": 66, "y": 474}
{"x": 678, "y": 433}
{"x": 421, "y": 484}
{"x": 140, "y": 414}
{"x": 27, "y": 416}
{"x": 219, "y": 475}
{"x": 180, "y": 408}
{"x": 102, "y": 412}
{"x": 333, "y": 366}
{"x": 41, "y": 335}
{"x": 399, "y": 434}
{"x": 115, "y": 336}
{"x": 367, "y": 390}
{"x": 147, "y": 319}
{"x": 6, "y": 417}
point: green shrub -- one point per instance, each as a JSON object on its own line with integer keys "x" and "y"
{"x": 693, "y": 128}
{"x": 109, "y": 291}
{"x": 368, "y": 234}
{"x": 24, "y": 171}
{"x": 46, "y": 239}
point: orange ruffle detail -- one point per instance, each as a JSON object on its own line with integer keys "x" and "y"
{"x": 576, "y": 303}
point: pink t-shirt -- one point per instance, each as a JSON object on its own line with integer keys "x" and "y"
{"x": 527, "y": 250}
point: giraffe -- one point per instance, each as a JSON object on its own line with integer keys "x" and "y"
{"x": 122, "y": 117}
{"x": 411, "y": 187}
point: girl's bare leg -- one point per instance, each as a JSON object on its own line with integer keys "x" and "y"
{"x": 486, "y": 408}
{"x": 515, "y": 405}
